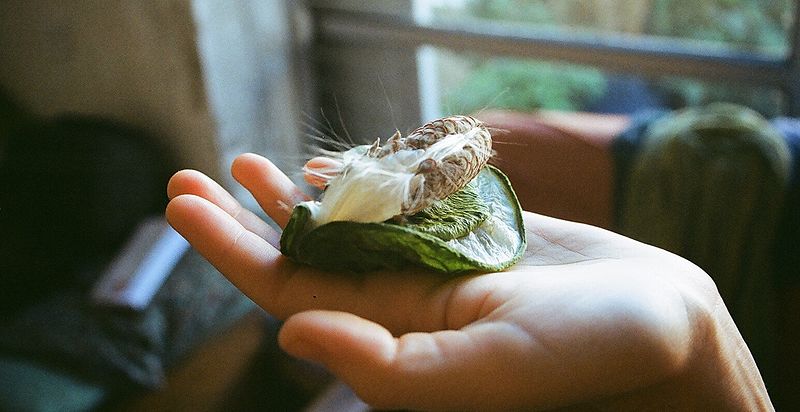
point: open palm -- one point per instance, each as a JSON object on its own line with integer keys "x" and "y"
{"x": 587, "y": 316}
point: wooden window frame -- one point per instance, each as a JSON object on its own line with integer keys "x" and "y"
{"x": 641, "y": 56}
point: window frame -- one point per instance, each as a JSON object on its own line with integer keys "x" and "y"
{"x": 642, "y": 56}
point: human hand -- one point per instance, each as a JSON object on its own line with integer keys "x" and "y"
{"x": 588, "y": 317}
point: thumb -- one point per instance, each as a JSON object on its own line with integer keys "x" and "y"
{"x": 444, "y": 369}
{"x": 352, "y": 348}
{"x": 341, "y": 341}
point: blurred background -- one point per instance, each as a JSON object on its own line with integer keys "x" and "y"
{"x": 101, "y": 101}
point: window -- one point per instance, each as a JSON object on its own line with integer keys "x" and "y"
{"x": 594, "y": 55}
{"x": 762, "y": 27}
{"x": 747, "y": 31}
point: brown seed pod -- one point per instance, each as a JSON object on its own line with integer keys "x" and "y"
{"x": 439, "y": 176}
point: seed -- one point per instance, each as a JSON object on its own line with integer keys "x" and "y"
{"x": 445, "y": 171}
{"x": 403, "y": 176}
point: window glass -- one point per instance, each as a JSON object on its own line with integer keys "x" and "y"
{"x": 757, "y": 26}
{"x": 469, "y": 83}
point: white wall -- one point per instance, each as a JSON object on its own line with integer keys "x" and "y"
{"x": 246, "y": 52}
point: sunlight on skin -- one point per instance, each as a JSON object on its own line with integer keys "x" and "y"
{"x": 587, "y": 316}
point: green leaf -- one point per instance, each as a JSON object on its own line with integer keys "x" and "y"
{"x": 452, "y": 217}
{"x": 495, "y": 240}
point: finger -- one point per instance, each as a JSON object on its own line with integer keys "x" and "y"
{"x": 196, "y": 183}
{"x": 272, "y": 189}
{"x": 452, "y": 369}
{"x": 275, "y": 283}
{"x": 242, "y": 256}
{"x": 320, "y": 170}
{"x": 283, "y": 288}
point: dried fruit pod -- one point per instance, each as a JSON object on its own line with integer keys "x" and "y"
{"x": 428, "y": 199}
{"x": 489, "y": 245}
{"x": 447, "y": 167}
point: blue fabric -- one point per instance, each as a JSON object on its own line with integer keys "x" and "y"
{"x": 624, "y": 149}
{"x": 788, "y": 237}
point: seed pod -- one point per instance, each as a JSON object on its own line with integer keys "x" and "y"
{"x": 428, "y": 199}
{"x": 446, "y": 168}
{"x": 404, "y": 175}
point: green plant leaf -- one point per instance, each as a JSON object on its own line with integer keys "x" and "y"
{"x": 495, "y": 240}
{"x": 452, "y": 217}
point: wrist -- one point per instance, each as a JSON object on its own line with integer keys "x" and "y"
{"x": 719, "y": 374}
{"x": 725, "y": 373}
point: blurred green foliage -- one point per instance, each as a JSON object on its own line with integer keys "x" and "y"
{"x": 527, "y": 85}
{"x": 512, "y": 10}
{"x": 758, "y": 26}
{"x": 752, "y": 25}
